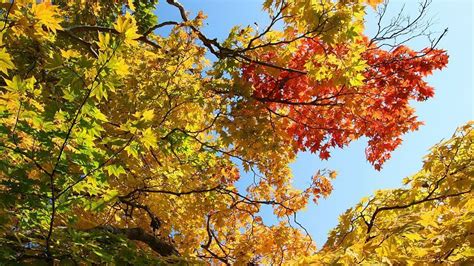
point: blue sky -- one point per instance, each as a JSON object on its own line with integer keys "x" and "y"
{"x": 451, "y": 107}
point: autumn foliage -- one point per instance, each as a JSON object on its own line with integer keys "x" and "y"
{"x": 326, "y": 112}
{"x": 430, "y": 219}
{"x": 122, "y": 145}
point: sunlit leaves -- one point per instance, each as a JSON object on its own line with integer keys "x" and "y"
{"x": 148, "y": 115}
{"x": 127, "y": 26}
{"x": 104, "y": 40}
{"x": 337, "y": 21}
{"x": 107, "y": 127}
{"x": 348, "y": 92}
{"x": 115, "y": 170}
{"x": 430, "y": 219}
{"x": 48, "y": 15}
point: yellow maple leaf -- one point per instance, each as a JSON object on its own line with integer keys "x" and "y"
{"x": 5, "y": 61}
{"x": 127, "y": 26}
{"x": 47, "y": 15}
{"x": 148, "y": 115}
{"x": 104, "y": 40}
{"x": 120, "y": 66}
{"x": 148, "y": 138}
{"x": 70, "y": 53}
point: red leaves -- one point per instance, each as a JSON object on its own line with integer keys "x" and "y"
{"x": 326, "y": 113}
{"x": 321, "y": 186}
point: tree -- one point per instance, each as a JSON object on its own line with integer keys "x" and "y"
{"x": 122, "y": 145}
{"x": 429, "y": 221}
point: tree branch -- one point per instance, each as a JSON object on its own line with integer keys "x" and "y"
{"x": 158, "y": 245}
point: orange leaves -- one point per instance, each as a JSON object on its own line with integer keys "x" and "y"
{"x": 321, "y": 185}
{"x": 329, "y": 111}
{"x": 374, "y": 3}
{"x": 229, "y": 175}
{"x": 395, "y": 78}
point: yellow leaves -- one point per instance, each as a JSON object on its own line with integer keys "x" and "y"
{"x": 48, "y": 15}
{"x": 413, "y": 236}
{"x": 462, "y": 253}
{"x": 131, "y": 5}
{"x": 428, "y": 219}
{"x": 35, "y": 19}
{"x": 145, "y": 116}
{"x": 357, "y": 80}
{"x": 148, "y": 138}
{"x": 99, "y": 92}
{"x": 5, "y": 61}
{"x": 119, "y": 65}
{"x": 127, "y": 26}
{"x": 132, "y": 149}
{"x": 60, "y": 117}
{"x": 5, "y": 58}
{"x": 97, "y": 114}
{"x": 104, "y": 41}
{"x": 148, "y": 115}
{"x": 70, "y": 53}
{"x": 16, "y": 84}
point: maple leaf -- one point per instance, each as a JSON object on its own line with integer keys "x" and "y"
{"x": 148, "y": 115}
{"x": 126, "y": 25}
{"x": 5, "y": 61}
{"x": 148, "y": 139}
{"x": 48, "y": 15}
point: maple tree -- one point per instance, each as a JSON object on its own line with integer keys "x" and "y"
{"x": 119, "y": 144}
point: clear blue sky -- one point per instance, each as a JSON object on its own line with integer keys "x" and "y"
{"x": 451, "y": 106}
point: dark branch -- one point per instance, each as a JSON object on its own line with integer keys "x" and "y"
{"x": 138, "y": 234}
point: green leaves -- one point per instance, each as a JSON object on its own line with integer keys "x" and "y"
{"x": 115, "y": 170}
